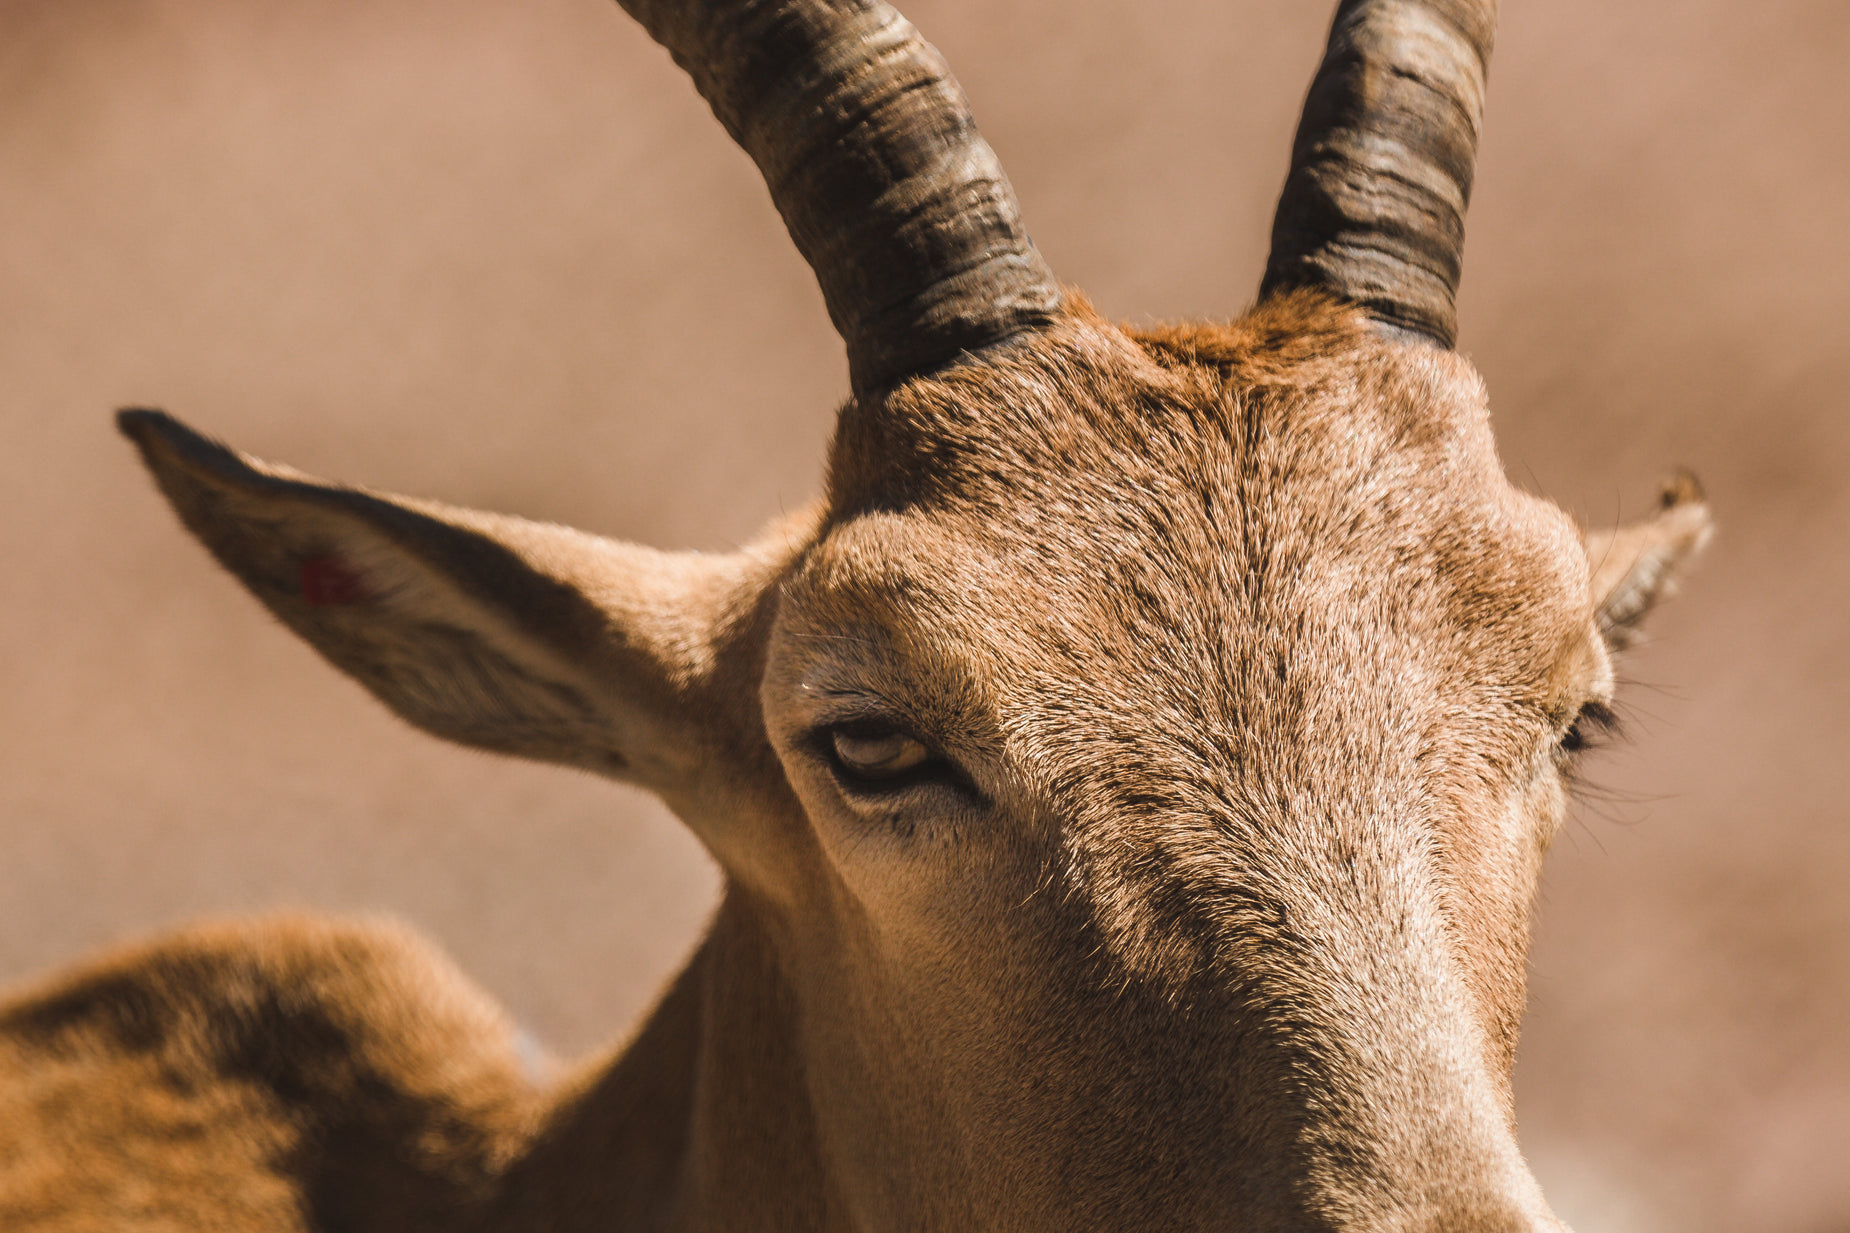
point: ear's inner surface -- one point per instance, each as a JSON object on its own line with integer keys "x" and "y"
{"x": 515, "y": 636}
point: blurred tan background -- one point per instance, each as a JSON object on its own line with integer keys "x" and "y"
{"x": 499, "y": 253}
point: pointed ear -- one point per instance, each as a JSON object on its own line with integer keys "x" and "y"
{"x": 1636, "y": 566}
{"x": 516, "y": 636}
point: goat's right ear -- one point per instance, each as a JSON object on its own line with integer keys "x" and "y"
{"x": 516, "y": 636}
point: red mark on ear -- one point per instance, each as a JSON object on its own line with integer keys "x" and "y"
{"x": 325, "y": 580}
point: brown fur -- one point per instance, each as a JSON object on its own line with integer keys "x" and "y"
{"x": 283, "y": 1074}
{"x": 1237, "y": 689}
{"x": 1255, "y": 672}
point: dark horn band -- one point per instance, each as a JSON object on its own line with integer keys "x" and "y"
{"x": 868, "y": 147}
{"x": 1374, "y": 206}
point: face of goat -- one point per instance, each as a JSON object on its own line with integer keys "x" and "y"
{"x": 1139, "y": 765}
{"x": 1132, "y": 776}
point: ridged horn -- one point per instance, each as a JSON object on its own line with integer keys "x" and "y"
{"x": 871, "y": 155}
{"x": 1374, "y": 206}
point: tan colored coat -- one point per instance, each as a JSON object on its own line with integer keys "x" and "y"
{"x": 1131, "y": 777}
{"x": 1244, "y": 685}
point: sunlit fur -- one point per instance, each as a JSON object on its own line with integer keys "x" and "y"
{"x": 282, "y": 1074}
{"x": 1246, "y": 674}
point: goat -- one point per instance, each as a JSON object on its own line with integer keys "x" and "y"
{"x": 1131, "y": 776}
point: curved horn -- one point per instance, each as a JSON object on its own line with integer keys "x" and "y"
{"x": 1374, "y": 206}
{"x": 871, "y": 156}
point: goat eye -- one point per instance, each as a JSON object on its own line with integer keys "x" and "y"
{"x": 878, "y": 753}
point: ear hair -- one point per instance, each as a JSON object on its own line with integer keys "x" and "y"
{"x": 1636, "y": 566}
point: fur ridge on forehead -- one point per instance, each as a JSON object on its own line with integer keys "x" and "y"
{"x": 1087, "y": 396}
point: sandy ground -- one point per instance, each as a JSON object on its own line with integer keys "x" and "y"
{"x": 499, "y": 253}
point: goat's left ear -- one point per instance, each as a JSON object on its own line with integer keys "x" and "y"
{"x": 1635, "y": 566}
{"x": 489, "y": 630}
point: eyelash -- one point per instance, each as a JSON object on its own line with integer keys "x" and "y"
{"x": 1595, "y": 726}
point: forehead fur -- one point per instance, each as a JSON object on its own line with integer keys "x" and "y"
{"x": 1176, "y": 480}
{"x": 1206, "y": 576}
